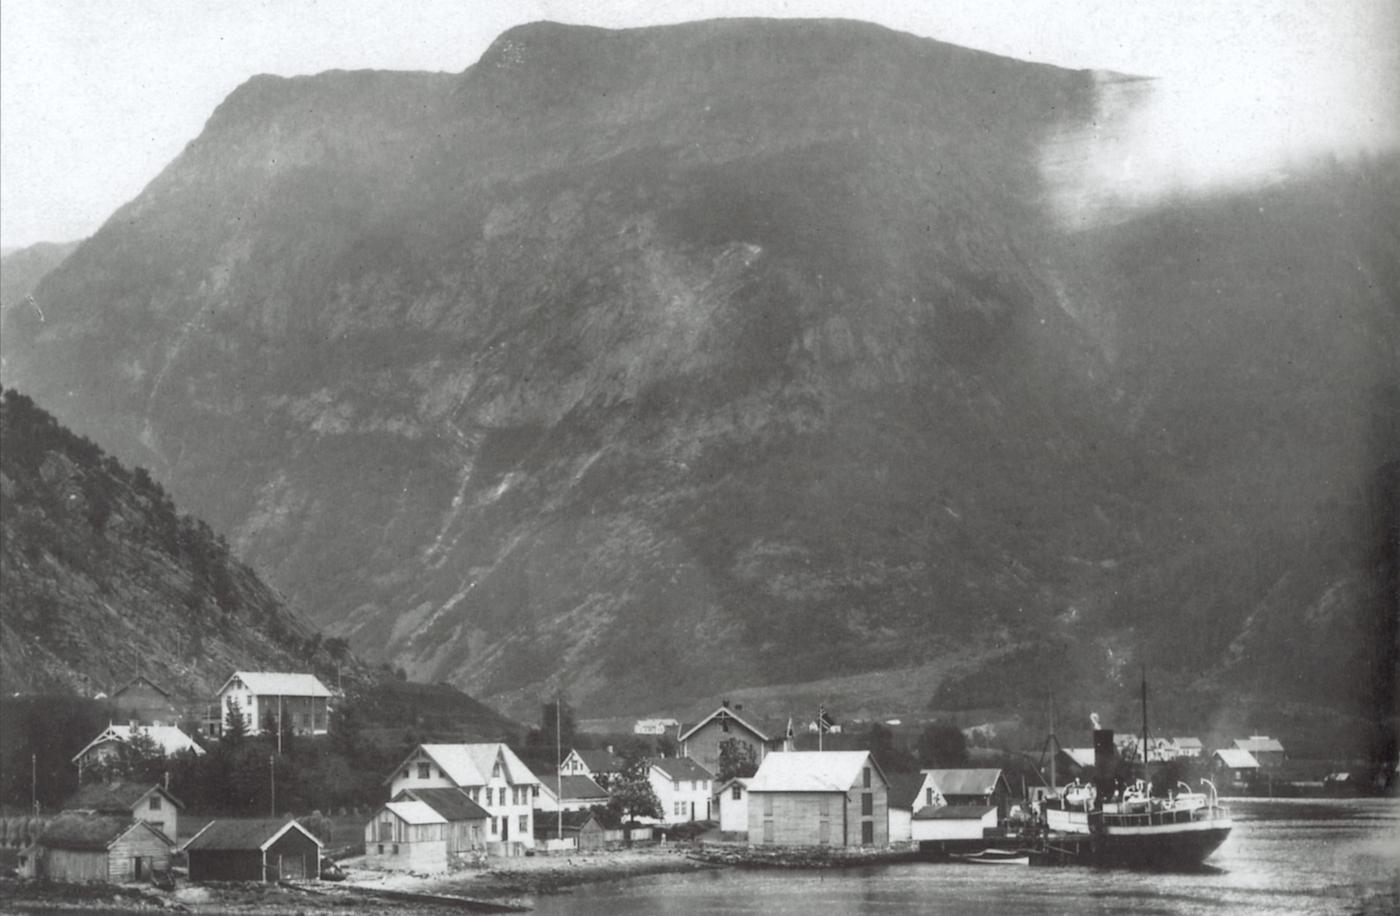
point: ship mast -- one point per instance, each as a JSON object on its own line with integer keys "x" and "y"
{"x": 1145, "y": 773}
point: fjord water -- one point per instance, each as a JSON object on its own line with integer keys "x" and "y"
{"x": 1303, "y": 856}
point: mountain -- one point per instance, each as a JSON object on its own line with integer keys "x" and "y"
{"x": 650, "y": 364}
{"x": 101, "y": 579}
{"x": 21, "y": 269}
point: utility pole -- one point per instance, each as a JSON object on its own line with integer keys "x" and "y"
{"x": 34, "y": 782}
{"x": 279, "y": 723}
{"x": 558, "y": 777}
{"x": 272, "y": 779}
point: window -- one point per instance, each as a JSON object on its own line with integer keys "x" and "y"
{"x": 155, "y": 802}
{"x": 737, "y": 792}
{"x": 866, "y": 777}
{"x": 489, "y": 793}
{"x": 524, "y": 823}
{"x": 441, "y": 774}
{"x": 692, "y": 785}
{"x": 767, "y": 805}
{"x": 424, "y": 770}
{"x": 867, "y": 804}
{"x": 496, "y": 769}
{"x": 675, "y": 785}
{"x": 494, "y": 829}
{"x": 928, "y": 797}
{"x": 824, "y": 806}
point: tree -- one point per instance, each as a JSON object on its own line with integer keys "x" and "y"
{"x": 235, "y": 728}
{"x": 890, "y": 757}
{"x": 736, "y": 758}
{"x": 632, "y": 794}
{"x": 564, "y": 713}
{"x": 942, "y": 745}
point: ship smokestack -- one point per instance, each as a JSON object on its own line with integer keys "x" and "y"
{"x": 1105, "y": 762}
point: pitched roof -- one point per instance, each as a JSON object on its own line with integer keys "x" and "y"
{"x": 904, "y": 789}
{"x": 600, "y": 760}
{"x": 1236, "y": 759}
{"x": 85, "y": 831}
{"x": 141, "y": 679}
{"x": 810, "y": 771}
{"x": 582, "y": 787}
{"x": 415, "y": 812}
{"x": 472, "y": 764}
{"x": 167, "y": 737}
{"x": 721, "y": 787}
{"x": 452, "y": 804}
{"x": 680, "y": 768}
{"x": 1259, "y": 743}
{"x": 953, "y": 813}
{"x": 278, "y": 683}
{"x": 244, "y": 833}
{"x": 1083, "y": 756}
{"x": 965, "y": 781}
{"x": 114, "y": 796}
{"x": 1187, "y": 742}
{"x": 721, "y": 713}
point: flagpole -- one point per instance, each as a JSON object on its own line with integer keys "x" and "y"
{"x": 558, "y": 777}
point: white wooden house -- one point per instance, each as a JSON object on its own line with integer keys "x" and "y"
{"x": 683, "y": 788}
{"x": 732, "y": 803}
{"x": 299, "y": 703}
{"x": 108, "y": 744}
{"x": 491, "y": 775}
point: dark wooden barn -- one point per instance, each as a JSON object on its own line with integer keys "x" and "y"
{"x": 253, "y": 850}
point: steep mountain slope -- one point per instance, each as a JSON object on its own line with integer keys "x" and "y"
{"x": 652, "y": 362}
{"x": 100, "y": 579}
{"x": 21, "y": 270}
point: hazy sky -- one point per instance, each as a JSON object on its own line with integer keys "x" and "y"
{"x": 96, "y": 96}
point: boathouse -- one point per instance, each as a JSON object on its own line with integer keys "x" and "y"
{"x": 248, "y": 849}
{"x": 815, "y": 798}
{"x": 83, "y": 848}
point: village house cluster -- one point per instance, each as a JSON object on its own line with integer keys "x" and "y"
{"x": 448, "y": 803}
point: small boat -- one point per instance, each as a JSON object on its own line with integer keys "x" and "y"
{"x": 994, "y": 857}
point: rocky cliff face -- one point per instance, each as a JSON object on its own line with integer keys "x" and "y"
{"x": 648, "y": 363}
{"x": 101, "y": 579}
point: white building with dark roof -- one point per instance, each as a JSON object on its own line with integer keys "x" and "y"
{"x": 683, "y": 787}
{"x": 490, "y": 774}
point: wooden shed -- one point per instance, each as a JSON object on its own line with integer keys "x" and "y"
{"x": 246, "y": 849}
{"x": 465, "y": 820}
{"x": 407, "y": 834}
{"x": 81, "y": 848}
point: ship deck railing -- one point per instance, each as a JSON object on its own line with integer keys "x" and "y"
{"x": 1163, "y": 818}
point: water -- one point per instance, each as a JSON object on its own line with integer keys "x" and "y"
{"x": 1286, "y": 856}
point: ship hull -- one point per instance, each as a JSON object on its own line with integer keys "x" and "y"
{"x": 1157, "y": 847}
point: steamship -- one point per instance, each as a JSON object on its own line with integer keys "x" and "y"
{"x": 1100, "y": 824}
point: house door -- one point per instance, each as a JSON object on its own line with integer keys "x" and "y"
{"x": 867, "y": 833}
{"x": 140, "y": 868}
{"x": 505, "y": 828}
{"x": 291, "y": 867}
